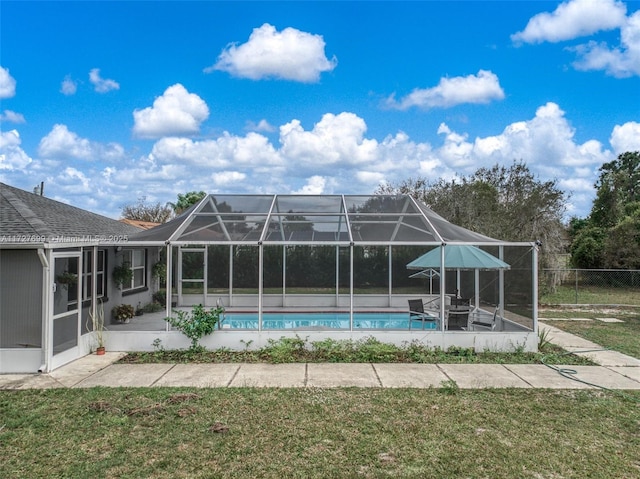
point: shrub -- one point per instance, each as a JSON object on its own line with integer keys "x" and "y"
{"x": 196, "y": 323}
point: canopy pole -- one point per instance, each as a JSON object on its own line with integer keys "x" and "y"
{"x": 534, "y": 277}
{"x": 260, "y": 283}
{"x": 351, "y": 287}
{"x": 337, "y": 276}
{"x": 501, "y": 281}
{"x": 168, "y": 290}
{"x": 443, "y": 303}
{"x": 390, "y": 275}
{"x": 477, "y": 290}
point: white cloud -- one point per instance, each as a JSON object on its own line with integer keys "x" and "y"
{"x": 60, "y": 143}
{"x": 68, "y": 86}
{"x": 315, "y": 186}
{"x": 373, "y": 178}
{"x": 226, "y": 178}
{"x": 74, "y": 181}
{"x": 481, "y": 88}
{"x": 573, "y": 19}
{"x": 7, "y": 84}
{"x": 548, "y": 138}
{"x": 263, "y": 125}
{"x": 252, "y": 150}
{"x": 336, "y": 140}
{"x": 288, "y": 55}
{"x": 334, "y": 155}
{"x": 620, "y": 62}
{"x": 12, "y": 116}
{"x": 12, "y": 156}
{"x": 102, "y": 85}
{"x": 626, "y": 137}
{"x": 176, "y": 112}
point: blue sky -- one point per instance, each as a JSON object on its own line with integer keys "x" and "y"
{"x": 107, "y": 102}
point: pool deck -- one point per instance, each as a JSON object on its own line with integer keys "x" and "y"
{"x": 614, "y": 371}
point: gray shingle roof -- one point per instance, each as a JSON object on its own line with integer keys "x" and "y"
{"x": 29, "y": 218}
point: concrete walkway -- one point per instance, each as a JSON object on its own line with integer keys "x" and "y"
{"x": 615, "y": 371}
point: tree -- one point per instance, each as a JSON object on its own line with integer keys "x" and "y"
{"x": 610, "y": 236}
{"x": 622, "y": 249}
{"x": 508, "y": 203}
{"x": 186, "y": 200}
{"x": 618, "y": 185}
{"x": 588, "y": 248}
{"x": 143, "y": 211}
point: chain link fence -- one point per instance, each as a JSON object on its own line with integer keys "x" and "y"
{"x": 613, "y": 287}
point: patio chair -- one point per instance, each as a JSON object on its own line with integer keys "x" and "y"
{"x": 416, "y": 311}
{"x": 488, "y": 325}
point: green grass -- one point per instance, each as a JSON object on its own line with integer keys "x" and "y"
{"x": 622, "y": 337}
{"x": 369, "y": 350}
{"x": 318, "y": 433}
{"x": 566, "y": 294}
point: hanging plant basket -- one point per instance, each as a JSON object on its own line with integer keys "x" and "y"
{"x": 122, "y": 275}
{"x": 66, "y": 278}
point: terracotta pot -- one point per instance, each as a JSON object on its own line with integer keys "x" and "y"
{"x": 100, "y": 351}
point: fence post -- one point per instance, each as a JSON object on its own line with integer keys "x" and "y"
{"x": 576, "y": 273}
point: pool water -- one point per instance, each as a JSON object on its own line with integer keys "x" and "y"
{"x": 324, "y": 320}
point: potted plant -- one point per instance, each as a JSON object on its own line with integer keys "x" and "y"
{"x": 95, "y": 323}
{"x": 123, "y": 313}
{"x": 123, "y": 274}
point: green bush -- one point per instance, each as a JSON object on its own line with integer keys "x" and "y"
{"x": 283, "y": 349}
{"x": 196, "y": 323}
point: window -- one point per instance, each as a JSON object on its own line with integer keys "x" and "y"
{"x": 87, "y": 265}
{"x": 136, "y": 259}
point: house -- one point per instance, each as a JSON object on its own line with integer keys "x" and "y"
{"x": 321, "y": 266}
{"x": 56, "y": 264}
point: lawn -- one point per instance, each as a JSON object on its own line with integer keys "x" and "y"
{"x": 318, "y": 433}
{"x": 567, "y": 294}
{"x": 622, "y": 337}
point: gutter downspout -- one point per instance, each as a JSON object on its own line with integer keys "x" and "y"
{"x": 46, "y": 294}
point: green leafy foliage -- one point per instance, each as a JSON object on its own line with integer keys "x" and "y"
{"x": 617, "y": 186}
{"x": 610, "y": 237}
{"x": 587, "y": 248}
{"x": 122, "y": 312}
{"x": 122, "y": 274}
{"x": 186, "y": 200}
{"x": 195, "y": 324}
{"x": 508, "y": 203}
{"x": 366, "y": 350}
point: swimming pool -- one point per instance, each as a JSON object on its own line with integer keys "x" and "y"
{"x": 324, "y": 321}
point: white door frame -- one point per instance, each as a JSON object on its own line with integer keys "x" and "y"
{"x": 56, "y": 360}
{"x": 202, "y": 280}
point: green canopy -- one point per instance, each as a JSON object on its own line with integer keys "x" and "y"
{"x": 458, "y": 257}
